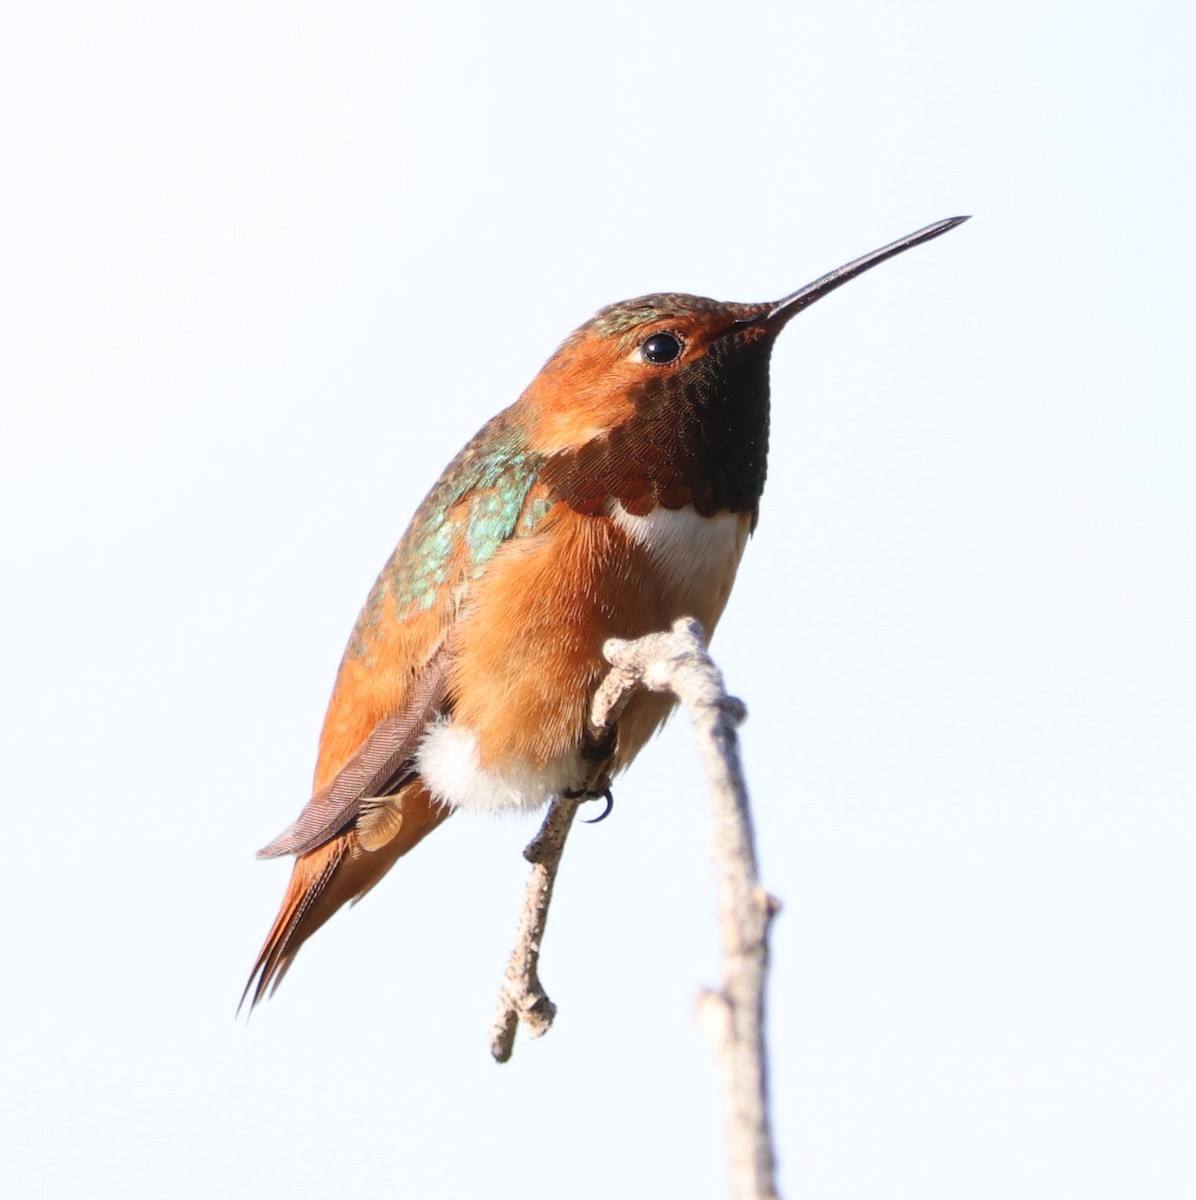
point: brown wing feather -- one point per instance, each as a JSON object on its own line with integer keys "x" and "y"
{"x": 375, "y": 770}
{"x": 336, "y": 873}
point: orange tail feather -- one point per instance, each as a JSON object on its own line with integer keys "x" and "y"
{"x": 340, "y": 871}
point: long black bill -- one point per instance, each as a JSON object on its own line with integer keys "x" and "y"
{"x": 804, "y": 297}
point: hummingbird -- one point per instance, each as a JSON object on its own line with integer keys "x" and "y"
{"x": 615, "y": 496}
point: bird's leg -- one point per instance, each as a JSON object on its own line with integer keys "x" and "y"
{"x": 597, "y": 751}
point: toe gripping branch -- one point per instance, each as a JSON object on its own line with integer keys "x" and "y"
{"x": 597, "y": 749}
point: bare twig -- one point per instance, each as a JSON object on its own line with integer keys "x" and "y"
{"x": 733, "y": 1017}
{"x": 522, "y": 997}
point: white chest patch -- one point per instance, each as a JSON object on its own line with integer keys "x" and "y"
{"x": 697, "y": 556}
{"x": 448, "y": 761}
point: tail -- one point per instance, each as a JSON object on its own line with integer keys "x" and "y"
{"x": 339, "y": 872}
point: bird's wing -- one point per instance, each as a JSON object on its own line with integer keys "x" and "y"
{"x": 370, "y": 806}
{"x": 380, "y": 766}
{"x": 393, "y": 679}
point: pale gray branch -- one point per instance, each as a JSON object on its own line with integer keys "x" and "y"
{"x": 733, "y": 1017}
{"x": 522, "y": 998}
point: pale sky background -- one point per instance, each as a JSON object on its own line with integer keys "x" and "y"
{"x": 265, "y": 267}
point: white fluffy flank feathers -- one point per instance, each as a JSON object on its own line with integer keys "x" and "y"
{"x": 448, "y": 762}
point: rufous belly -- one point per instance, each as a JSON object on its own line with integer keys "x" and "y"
{"x": 527, "y": 648}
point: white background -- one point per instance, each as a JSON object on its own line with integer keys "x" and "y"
{"x": 265, "y": 267}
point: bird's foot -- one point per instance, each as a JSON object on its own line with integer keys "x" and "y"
{"x": 592, "y": 794}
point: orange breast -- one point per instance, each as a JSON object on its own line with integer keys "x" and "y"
{"x": 527, "y": 649}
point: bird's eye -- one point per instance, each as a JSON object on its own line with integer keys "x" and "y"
{"x": 661, "y": 348}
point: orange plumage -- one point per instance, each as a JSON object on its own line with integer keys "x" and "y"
{"x": 614, "y": 497}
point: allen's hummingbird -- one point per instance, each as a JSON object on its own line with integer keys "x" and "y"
{"x": 613, "y": 497}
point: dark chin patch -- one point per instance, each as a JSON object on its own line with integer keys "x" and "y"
{"x": 699, "y": 436}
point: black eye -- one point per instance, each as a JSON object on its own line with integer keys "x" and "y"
{"x": 661, "y": 348}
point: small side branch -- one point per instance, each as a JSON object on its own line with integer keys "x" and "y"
{"x": 522, "y": 997}
{"x": 732, "y": 1017}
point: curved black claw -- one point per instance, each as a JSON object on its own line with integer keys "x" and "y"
{"x": 610, "y": 804}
